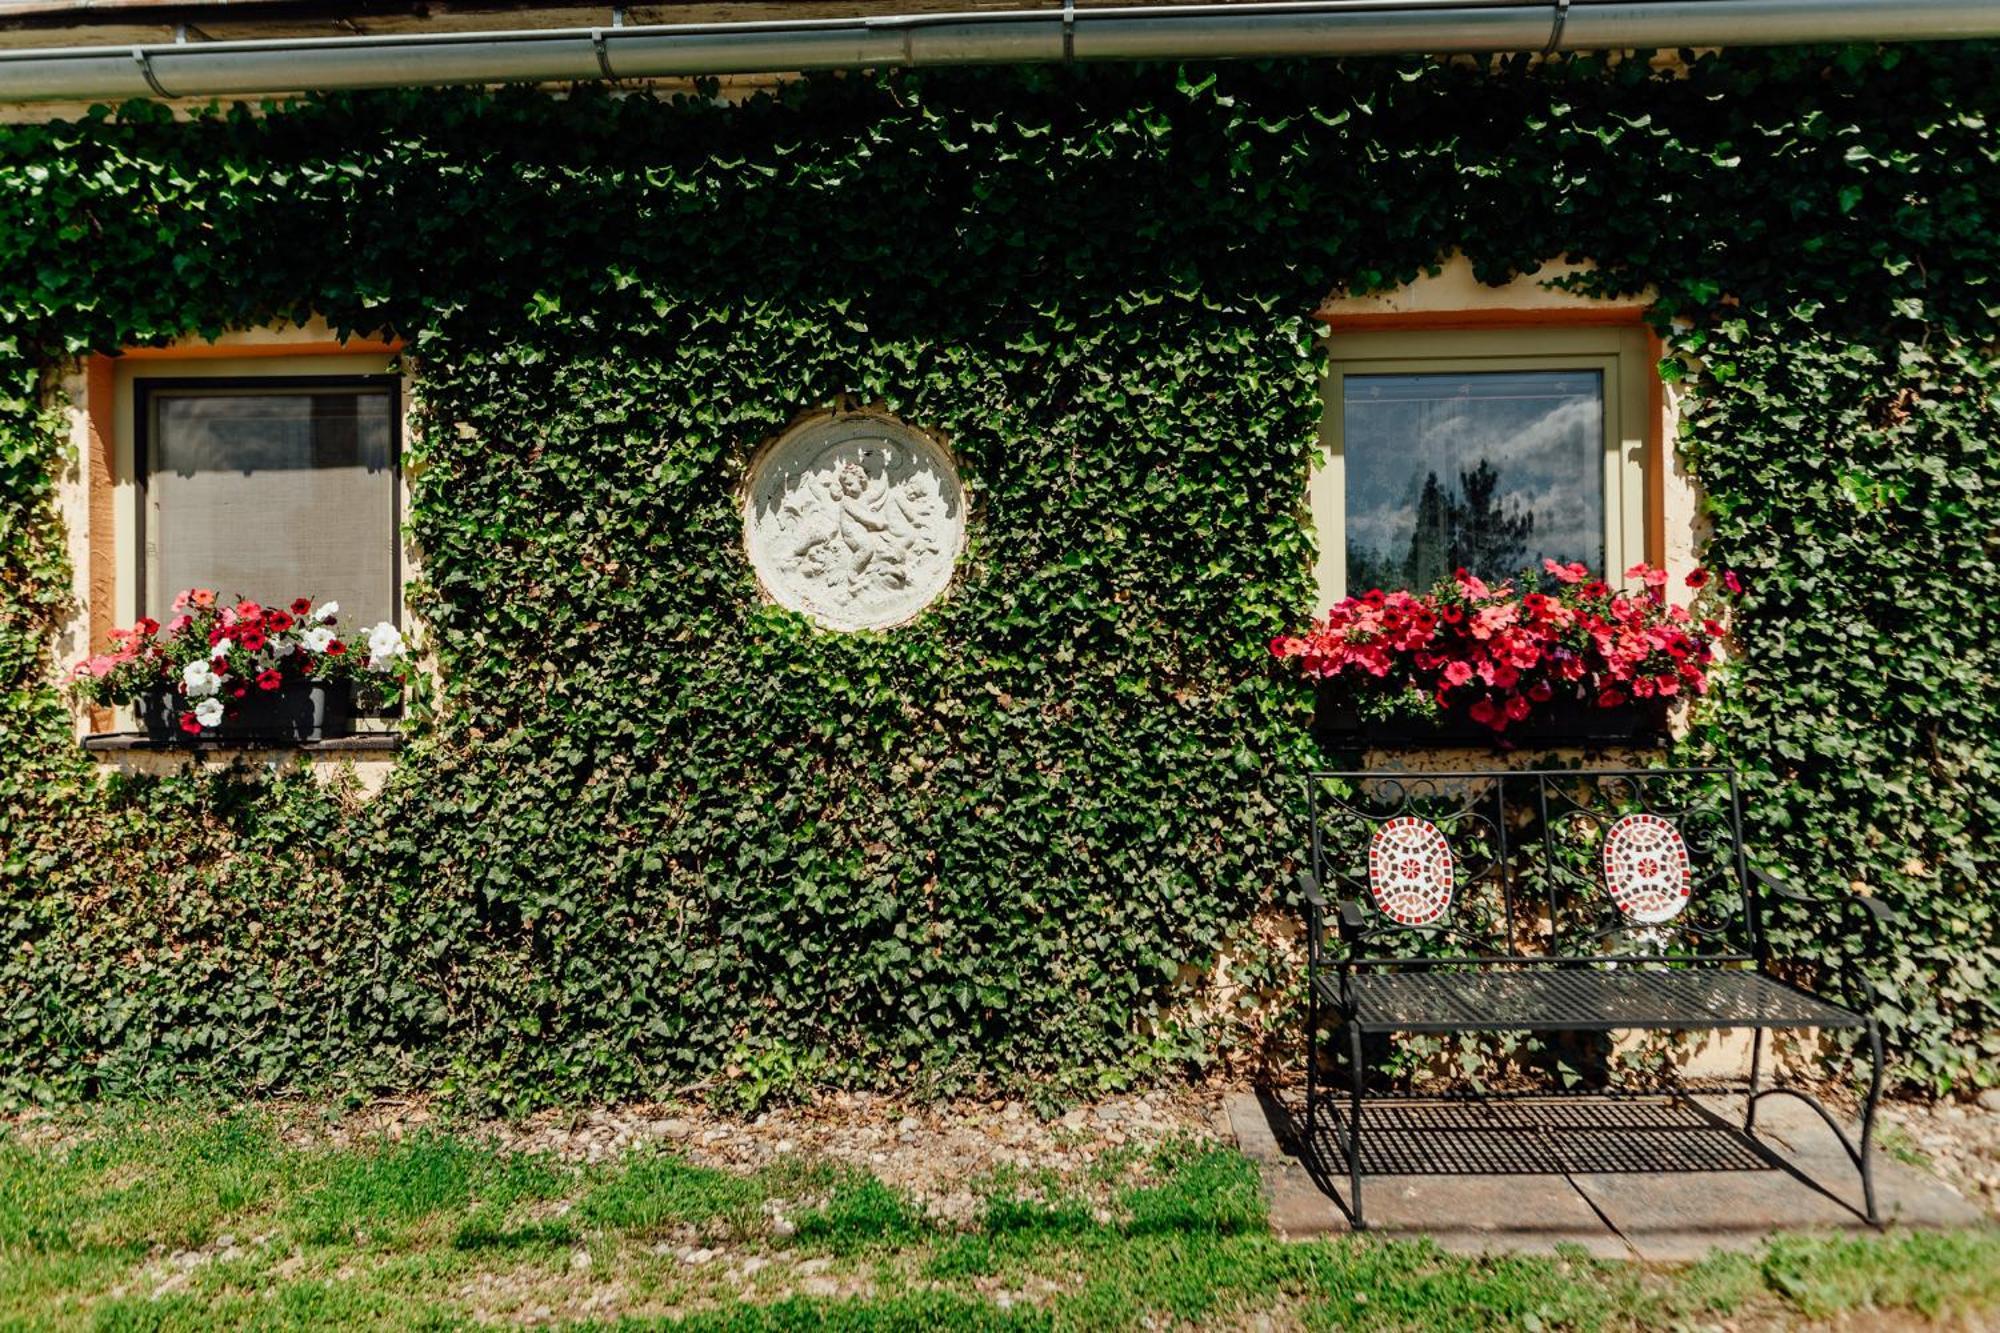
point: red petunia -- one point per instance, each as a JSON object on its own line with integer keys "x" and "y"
{"x": 190, "y": 724}
{"x": 1697, "y": 577}
{"x": 269, "y": 679}
{"x": 336, "y": 649}
{"x": 301, "y": 605}
{"x": 252, "y": 640}
{"x": 277, "y": 622}
{"x": 1731, "y": 582}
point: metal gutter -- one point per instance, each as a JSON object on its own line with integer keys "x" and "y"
{"x": 1112, "y": 33}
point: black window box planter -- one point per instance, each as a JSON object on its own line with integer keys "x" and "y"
{"x": 290, "y": 715}
{"x": 1565, "y": 724}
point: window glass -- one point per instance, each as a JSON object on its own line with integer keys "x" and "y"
{"x": 1492, "y": 471}
{"x": 273, "y": 493}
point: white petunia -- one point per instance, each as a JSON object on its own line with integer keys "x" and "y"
{"x": 326, "y": 611}
{"x": 222, "y": 647}
{"x": 284, "y": 647}
{"x": 199, "y": 680}
{"x": 317, "y": 638}
{"x": 208, "y": 712}
{"x": 385, "y": 644}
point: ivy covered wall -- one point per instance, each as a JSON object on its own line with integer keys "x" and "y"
{"x": 658, "y": 833}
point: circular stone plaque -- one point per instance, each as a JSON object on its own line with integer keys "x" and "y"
{"x": 854, "y": 519}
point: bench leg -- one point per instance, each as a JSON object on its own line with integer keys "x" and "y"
{"x": 1354, "y": 1122}
{"x": 1307, "y": 1148}
{"x": 1756, "y": 1068}
{"x": 1868, "y": 1120}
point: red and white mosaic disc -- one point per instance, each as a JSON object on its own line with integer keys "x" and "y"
{"x": 1409, "y": 871}
{"x": 1646, "y": 868}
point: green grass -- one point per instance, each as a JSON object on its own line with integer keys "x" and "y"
{"x": 180, "y": 1219}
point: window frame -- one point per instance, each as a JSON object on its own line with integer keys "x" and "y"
{"x": 1621, "y": 353}
{"x": 143, "y": 387}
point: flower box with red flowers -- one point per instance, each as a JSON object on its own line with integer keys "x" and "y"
{"x": 1573, "y": 661}
{"x": 244, "y": 671}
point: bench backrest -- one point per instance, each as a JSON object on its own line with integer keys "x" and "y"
{"x": 1533, "y": 864}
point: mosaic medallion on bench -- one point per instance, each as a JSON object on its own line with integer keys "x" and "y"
{"x": 1409, "y": 871}
{"x": 1646, "y": 869}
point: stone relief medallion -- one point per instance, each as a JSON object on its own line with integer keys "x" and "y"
{"x": 1646, "y": 869}
{"x": 1409, "y": 871}
{"x": 855, "y": 520}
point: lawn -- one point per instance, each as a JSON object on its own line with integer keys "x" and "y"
{"x": 180, "y": 1218}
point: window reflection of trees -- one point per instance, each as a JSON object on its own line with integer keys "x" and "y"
{"x": 1474, "y": 526}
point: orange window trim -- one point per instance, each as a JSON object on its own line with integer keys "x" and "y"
{"x": 99, "y": 388}
{"x": 1389, "y": 321}
{"x": 100, "y": 412}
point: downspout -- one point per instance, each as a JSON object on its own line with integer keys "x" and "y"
{"x": 1113, "y": 33}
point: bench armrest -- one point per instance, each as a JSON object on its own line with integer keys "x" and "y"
{"x": 1873, "y": 919}
{"x": 1879, "y": 918}
{"x": 1349, "y": 920}
{"x": 1316, "y": 909}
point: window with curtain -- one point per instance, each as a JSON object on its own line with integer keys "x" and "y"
{"x": 272, "y": 490}
{"x": 1489, "y": 471}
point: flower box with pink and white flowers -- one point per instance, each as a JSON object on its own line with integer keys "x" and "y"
{"x": 245, "y": 671}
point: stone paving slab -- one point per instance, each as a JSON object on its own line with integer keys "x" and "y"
{"x": 1463, "y": 1214}
{"x": 1660, "y": 1207}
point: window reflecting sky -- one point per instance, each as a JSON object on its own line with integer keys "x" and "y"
{"x": 1492, "y": 470}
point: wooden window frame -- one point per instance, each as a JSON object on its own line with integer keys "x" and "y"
{"x": 111, "y": 589}
{"x": 1616, "y": 342}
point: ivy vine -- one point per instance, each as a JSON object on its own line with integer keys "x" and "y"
{"x": 658, "y": 833}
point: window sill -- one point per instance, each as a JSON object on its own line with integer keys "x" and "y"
{"x": 120, "y": 742}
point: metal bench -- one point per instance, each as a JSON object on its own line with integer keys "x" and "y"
{"x": 1559, "y": 901}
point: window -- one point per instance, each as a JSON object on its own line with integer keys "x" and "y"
{"x": 270, "y": 488}
{"x": 1488, "y": 450}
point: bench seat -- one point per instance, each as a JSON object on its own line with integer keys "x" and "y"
{"x": 1570, "y": 999}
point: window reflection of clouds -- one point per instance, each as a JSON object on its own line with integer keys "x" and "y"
{"x": 1541, "y": 431}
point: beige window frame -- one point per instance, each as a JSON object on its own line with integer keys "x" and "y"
{"x": 110, "y": 560}
{"x": 1621, "y": 354}
{"x": 241, "y": 372}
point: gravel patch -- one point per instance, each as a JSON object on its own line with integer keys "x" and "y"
{"x": 936, "y": 1154}
{"x": 1960, "y": 1142}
